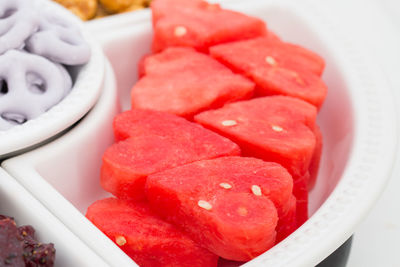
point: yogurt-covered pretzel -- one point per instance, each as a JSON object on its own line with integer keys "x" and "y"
{"x": 29, "y": 86}
{"x": 18, "y": 20}
{"x": 59, "y": 39}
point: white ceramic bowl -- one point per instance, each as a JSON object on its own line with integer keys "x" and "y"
{"x": 84, "y": 94}
{"x": 16, "y": 202}
{"x": 67, "y": 169}
{"x": 357, "y": 122}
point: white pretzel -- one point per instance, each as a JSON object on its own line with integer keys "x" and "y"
{"x": 29, "y": 86}
{"x": 59, "y": 39}
{"x": 18, "y": 20}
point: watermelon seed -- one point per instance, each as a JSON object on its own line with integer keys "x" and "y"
{"x": 256, "y": 190}
{"x": 271, "y": 61}
{"x": 120, "y": 240}
{"x": 242, "y": 211}
{"x": 229, "y": 123}
{"x": 225, "y": 185}
{"x": 204, "y": 204}
{"x": 277, "y": 128}
{"x": 180, "y": 31}
{"x": 299, "y": 80}
{"x": 297, "y": 77}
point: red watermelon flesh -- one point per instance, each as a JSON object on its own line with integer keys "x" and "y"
{"x": 316, "y": 158}
{"x": 162, "y": 8}
{"x": 252, "y": 54}
{"x": 277, "y": 68}
{"x": 154, "y": 148}
{"x": 148, "y": 240}
{"x": 277, "y": 129}
{"x": 229, "y": 205}
{"x": 287, "y": 223}
{"x": 282, "y": 81}
{"x": 300, "y": 191}
{"x": 141, "y": 122}
{"x": 192, "y": 83}
{"x": 200, "y": 25}
{"x": 173, "y": 60}
{"x": 272, "y": 36}
{"x": 141, "y": 68}
{"x": 272, "y": 128}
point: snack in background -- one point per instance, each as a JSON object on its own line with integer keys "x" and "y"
{"x": 117, "y": 6}
{"x": 30, "y": 85}
{"x": 18, "y": 246}
{"x": 17, "y": 22}
{"x": 59, "y": 39}
{"x": 37, "y": 43}
{"x": 84, "y": 9}
{"x": 147, "y": 239}
{"x": 91, "y": 9}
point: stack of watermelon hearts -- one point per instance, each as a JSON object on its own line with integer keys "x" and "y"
{"x": 216, "y": 156}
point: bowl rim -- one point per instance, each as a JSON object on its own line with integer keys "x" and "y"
{"x": 375, "y": 130}
{"x": 83, "y": 95}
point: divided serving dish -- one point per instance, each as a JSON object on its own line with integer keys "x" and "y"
{"x": 357, "y": 122}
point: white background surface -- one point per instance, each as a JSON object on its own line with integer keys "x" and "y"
{"x": 376, "y": 241}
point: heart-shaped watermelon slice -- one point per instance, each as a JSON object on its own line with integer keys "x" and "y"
{"x": 155, "y": 141}
{"x": 230, "y": 205}
{"x": 199, "y": 24}
{"x": 184, "y": 82}
{"x": 147, "y": 239}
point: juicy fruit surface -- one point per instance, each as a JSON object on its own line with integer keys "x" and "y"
{"x": 159, "y": 141}
{"x": 277, "y": 129}
{"x": 141, "y": 122}
{"x": 270, "y": 128}
{"x": 187, "y": 85}
{"x": 287, "y": 221}
{"x": 235, "y": 207}
{"x": 230, "y": 205}
{"x": 277, "y": 68}
{"x": 300, "y": 191}
{"x": 255, "y": 52}
{"x": 148, "y": 240}
{"x": 200, "y": 25}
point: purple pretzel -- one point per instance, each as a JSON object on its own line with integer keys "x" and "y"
{"x": 29, "y": 86}
{"x": 17, "y": 22}
{"x": 59, "y": 39}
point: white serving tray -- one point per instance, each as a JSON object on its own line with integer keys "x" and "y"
{"x": 16, "y": 202}
{"x": 356, "y": 121}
